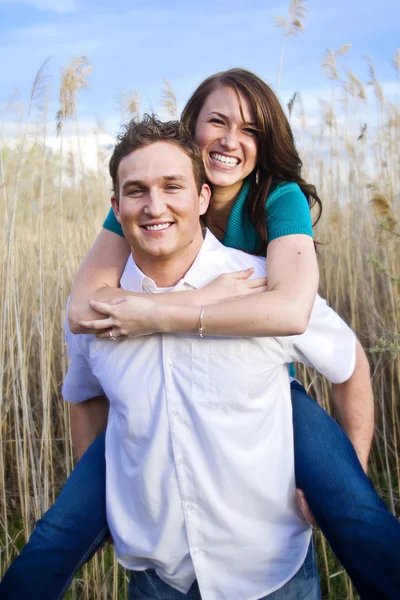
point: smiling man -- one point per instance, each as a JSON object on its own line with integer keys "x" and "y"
{"x": 199, "y": 442}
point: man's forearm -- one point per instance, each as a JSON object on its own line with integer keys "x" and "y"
{"x": 354, "y": 407}
{"x": 88, "y": 421}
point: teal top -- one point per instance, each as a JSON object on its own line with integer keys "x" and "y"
{"x": 287, "y": 212}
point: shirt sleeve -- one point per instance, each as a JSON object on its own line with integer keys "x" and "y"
{"x": 328, "y": 344}
{"x": 79, "y": 384}
{"x": 112, "y": 224}
{"x": 288, "y": 212}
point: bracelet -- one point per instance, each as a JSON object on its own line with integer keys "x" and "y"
{"x": 201, "y": 329}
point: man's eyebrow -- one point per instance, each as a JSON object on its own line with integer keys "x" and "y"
{"x": 164, "y": 178}
{"x": 176, "y": 177}
{"x": 222, "y": 116}
{"x": 130, "y": 182}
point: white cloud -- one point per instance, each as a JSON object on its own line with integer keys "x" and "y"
{"x": 58, "y": 6}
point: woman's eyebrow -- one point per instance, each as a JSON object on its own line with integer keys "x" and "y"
{"x": 214, "y": 112}
{"x": 227, "y": 118}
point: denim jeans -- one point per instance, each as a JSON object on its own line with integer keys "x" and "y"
{"x": 65, "y": 537}
{"x": 304, "y": 585}
{"x": 362, "y": 532}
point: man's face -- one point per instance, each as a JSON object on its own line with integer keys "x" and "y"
{"x": 159, "y": 205}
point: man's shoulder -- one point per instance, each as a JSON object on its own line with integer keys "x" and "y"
{"x": 237, "y": 260}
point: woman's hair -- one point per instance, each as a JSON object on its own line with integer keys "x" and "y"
{"x": 277, "y": 155}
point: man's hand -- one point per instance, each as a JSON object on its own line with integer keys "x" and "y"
{"x": 303, "y": 507}
{"x": 88, "y": 421}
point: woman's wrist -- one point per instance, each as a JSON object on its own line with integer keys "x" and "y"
{"x": 177, "y": 319}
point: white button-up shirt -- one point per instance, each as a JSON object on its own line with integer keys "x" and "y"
{"x": 199, "y": 443}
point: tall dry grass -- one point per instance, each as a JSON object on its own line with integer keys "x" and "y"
{"x": 50, "y": 215}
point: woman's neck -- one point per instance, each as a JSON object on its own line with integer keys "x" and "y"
{"x": 222, "y": 201}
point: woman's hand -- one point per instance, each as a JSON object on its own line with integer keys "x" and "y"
{"x": 134, "y": 316}
{"x": 127, "y": 316}
{"x": 230, "y": 286}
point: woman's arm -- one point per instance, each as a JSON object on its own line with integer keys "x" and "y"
{"x": 98, "y": 280}
{"x": 284, "y": 309}
{"x": 101, "y": 269}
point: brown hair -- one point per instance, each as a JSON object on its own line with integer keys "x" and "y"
{"x": 278, "y": 158}
{"x": 149, "y": 130}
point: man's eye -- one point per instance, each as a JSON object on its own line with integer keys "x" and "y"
{"x": 135, "y": 192}
{"x": 172, "y": 187}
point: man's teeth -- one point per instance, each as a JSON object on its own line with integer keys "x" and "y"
{"x": 155, "y": 227}
{"x": 224, "y": 160}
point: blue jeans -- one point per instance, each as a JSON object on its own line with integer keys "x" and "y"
{"x": 146, "y": 585}
{"x": 360, "y": 529}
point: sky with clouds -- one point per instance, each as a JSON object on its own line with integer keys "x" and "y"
{"x": 133, "y": 44}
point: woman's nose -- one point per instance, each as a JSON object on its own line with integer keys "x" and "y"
{"x": 230, "y": 141}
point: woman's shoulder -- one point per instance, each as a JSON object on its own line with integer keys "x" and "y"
{"x": 280, "y": 188}
{"x": 288, "y": 211}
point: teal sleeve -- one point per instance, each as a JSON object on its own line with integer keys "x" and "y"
{"x": 112, "y": 224}
{"x": 288, "y": 212}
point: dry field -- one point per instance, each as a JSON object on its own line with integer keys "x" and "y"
{"x": 53, "y": 206}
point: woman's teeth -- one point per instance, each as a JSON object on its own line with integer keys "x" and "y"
{"x": 155, "y": 227}
{"x": 224, "y": 160}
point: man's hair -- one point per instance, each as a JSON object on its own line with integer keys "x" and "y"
{"x": 149, "y": 130}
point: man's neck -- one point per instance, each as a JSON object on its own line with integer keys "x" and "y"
{"x": 166, "y": 272}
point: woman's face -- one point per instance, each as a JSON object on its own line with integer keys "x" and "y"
{"x": 227, "y": 143}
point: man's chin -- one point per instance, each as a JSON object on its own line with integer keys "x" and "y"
{"x": 152, "y": 250}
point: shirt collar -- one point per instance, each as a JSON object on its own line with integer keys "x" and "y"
{"x": 208, "y": 264}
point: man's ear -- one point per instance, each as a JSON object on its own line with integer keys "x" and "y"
{"x": 115, "y": 207}
{"x": 204, "y": 196}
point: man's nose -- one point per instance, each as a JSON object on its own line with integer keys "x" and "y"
{"x": 155, "y": 205}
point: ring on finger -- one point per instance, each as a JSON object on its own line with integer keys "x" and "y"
{"x": 111, "y": 336}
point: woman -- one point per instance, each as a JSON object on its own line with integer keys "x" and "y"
{"x": 259, "y": 203}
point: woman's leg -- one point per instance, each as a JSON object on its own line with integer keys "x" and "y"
{"x": 362, "y": 532}
{"x": 65, "y": 537}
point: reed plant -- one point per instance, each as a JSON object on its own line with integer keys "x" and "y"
{"x": 53, "y": 207}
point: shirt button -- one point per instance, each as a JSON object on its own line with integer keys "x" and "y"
{"x": 195, "y": 551}
{"x": 180, "y": 460}
{"x": 174, "y": 412}
{"x": 189, "y": 507}
{"x": 170, "y": 363}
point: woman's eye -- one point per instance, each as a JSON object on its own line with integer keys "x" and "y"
{"x": 215, "y": 120}
{"x": 250, "y": 130}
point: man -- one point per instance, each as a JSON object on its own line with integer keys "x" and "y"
{"x": 199, "y": 443}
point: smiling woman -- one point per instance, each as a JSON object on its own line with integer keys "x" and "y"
{"x": 226, "y": 132}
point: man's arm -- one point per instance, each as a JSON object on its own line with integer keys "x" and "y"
{"x": 354, "y": 406}
{"x": 88, "y": 421}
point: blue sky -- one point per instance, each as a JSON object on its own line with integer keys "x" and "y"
{"x": 134, "y": 44}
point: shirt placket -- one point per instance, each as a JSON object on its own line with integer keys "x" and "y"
{"x": 179, "y": 431}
